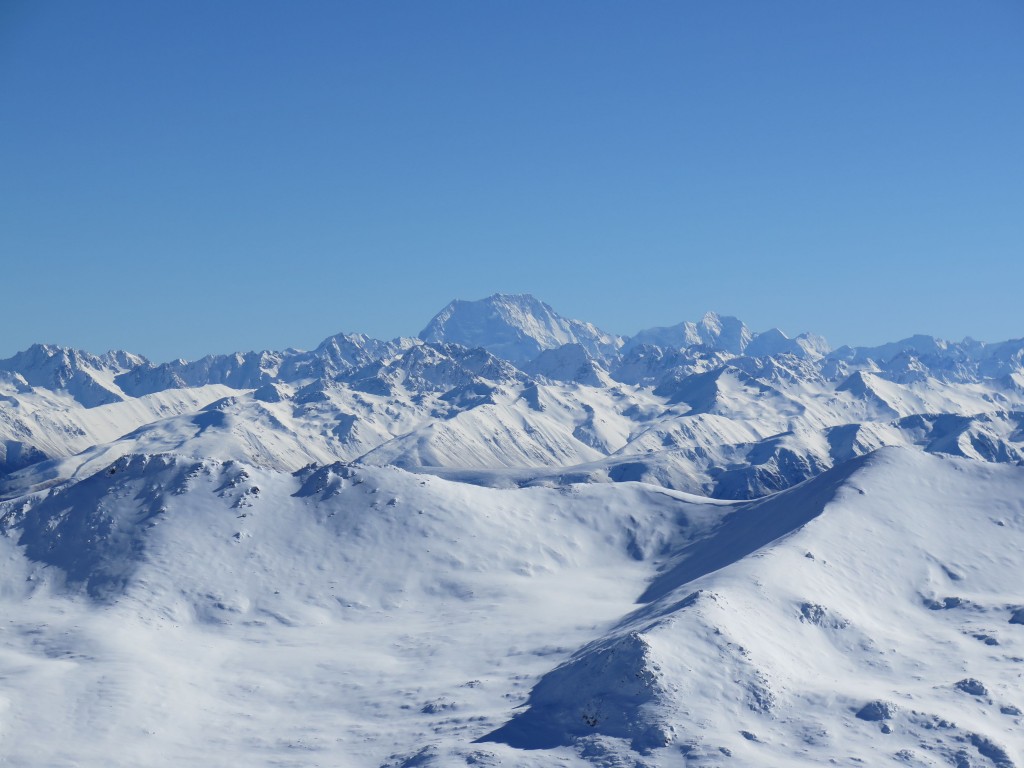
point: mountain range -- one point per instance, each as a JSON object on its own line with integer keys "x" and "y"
{"x": 516, "y": 539}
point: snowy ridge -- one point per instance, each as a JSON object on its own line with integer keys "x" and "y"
{"x": 90, "y": 378}
{"x": 726, "y": 334}
{"x": 418, "y": 404}
{"x": 846, "y": 616}
{"x": 537, "y": 543}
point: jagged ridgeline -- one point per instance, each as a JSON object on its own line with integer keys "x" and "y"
{"x": 506, "y": 383}
{"x": 516, "y": 540}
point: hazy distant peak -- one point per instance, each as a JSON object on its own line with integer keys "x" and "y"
{"x": 919, "y": 343}
{"x": 88, "y": 378}
{"x": 41, "y": 355}
{"x": 719, "y": 332}
{"x": 516, "y": 327}
{"x": 355, "y": 349}
{"x": 775, "y": 342}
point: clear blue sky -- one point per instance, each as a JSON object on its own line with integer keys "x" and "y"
{"x": 178, "y": 178}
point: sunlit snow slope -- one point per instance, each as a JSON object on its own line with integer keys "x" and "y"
{"x": 516, "y": 540}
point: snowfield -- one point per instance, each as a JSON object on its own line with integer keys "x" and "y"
{"x": 569, "y": 549}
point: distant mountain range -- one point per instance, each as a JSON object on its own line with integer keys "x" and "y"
{"x": 708, "y": 407}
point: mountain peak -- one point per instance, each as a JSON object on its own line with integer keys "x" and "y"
{"x": 45, "y": 354}
{"x": 775, "y": 342}
{"x": 87, "y": 377}
{"x": 516, "y": 327}
{"x": 720, "y": 332}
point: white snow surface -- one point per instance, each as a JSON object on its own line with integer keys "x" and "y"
{"x": 170, "y": 611}
{"x": 516, "y": 542}
{"x": 515, "y": 327}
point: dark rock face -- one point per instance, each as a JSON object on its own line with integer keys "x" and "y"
{"x": 874, "y": 711}
{"x": 972, "y": 686}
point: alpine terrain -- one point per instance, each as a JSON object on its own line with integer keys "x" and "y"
{"x": 516, "y": 540}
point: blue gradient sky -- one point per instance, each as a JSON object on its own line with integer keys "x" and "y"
{"x": 178, "y": 178}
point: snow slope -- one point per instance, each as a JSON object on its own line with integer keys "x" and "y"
{"x": 515, "y": 541}
{"x": 346, "y": 611}
{"x": 866, "y": 616}
{"x": 171, "y": 611}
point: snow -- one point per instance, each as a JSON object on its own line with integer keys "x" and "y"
{"x": 515, "y": 542}
{"x": 222, "y": 596}
{"x": 345, "y": 615}
{"x": 790, "y": 644}
{"x": 515, "y": 327}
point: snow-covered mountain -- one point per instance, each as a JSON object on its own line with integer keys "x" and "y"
{"x": 89, "y": 378}
{"x": 780, "y": 407}
{"x": 514, "y": 327}
{"x": 516, "y": 540}
{"x": 726, "y": 334}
